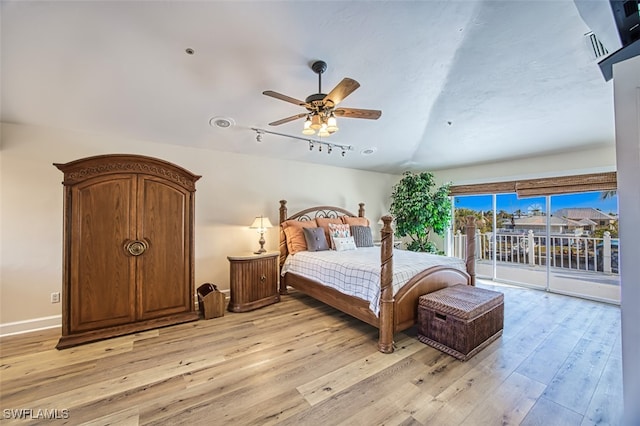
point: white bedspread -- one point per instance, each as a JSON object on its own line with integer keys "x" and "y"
{"x": 357, "y": 272}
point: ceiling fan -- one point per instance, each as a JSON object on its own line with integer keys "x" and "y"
{"x": 322, "y": 108}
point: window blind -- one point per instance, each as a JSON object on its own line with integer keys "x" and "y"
{"x": 544, "y": 186}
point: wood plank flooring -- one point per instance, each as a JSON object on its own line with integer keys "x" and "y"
{"x": 300, "y": 362}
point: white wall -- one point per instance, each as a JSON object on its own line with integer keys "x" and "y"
{"x": 626, "y": 79}
{"x": 233, "y": 190}
{"x": 596, "y": 160}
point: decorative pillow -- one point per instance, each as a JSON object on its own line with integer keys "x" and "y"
{"x": 345, "y": 243}
{"x": 355, "y": 221}
{"x": 316, "y": 240}
{"x": 338, "y": 231}
{"x": 299, "y": 223}
{"x": 362, "y": 236}
{"x": 324, "y": 222}
{"x": 294, "y": 235}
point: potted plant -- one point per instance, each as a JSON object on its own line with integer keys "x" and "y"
{"x": 419, "y": 208}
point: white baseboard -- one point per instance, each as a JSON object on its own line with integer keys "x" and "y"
{"x": 26, "y": 326}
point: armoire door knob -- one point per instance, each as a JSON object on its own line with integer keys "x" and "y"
{"x": 136, "y": 248}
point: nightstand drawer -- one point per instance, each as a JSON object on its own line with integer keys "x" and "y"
{"x": 253, "y": 281}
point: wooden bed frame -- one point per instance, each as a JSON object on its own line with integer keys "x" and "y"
{"x": 396, "y": 313}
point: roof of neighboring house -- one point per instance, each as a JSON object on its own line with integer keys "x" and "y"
{"x": 578, "y": 213}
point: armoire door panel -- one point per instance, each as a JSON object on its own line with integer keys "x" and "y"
{"x": 164, "y": 266}
{"x": 103, "y": 279}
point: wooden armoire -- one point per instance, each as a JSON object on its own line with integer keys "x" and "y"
{"x": 128, "y": 261}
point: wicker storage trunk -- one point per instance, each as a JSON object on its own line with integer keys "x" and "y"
{"x": 460, "y": 320}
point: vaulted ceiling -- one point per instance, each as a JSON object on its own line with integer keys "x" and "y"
{"x": 459, "y": 82}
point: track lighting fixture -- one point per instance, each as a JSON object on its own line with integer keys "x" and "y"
{"x": 313, "y": 143}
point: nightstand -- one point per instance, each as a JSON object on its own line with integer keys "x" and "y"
{"x": 253, "y": 281}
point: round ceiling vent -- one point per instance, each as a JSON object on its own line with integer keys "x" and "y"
{"x": 368, "y": 151}
{"x": 221, "y": 122}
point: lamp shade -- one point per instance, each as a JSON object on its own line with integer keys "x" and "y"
{"x": 332, "y": 124}
{"x": 261, "y": 222}
{"x": 316, "y": 122}
{"x": 307, "y": 130}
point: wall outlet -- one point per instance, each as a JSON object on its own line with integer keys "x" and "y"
{"x": 55, "y": 297}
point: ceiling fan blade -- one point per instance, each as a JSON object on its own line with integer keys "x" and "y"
{"x": 284, "y": 97}
{"x": 371, "y": 114}
{"x": 342, "y": 90}
{"x": 288, "y": 119}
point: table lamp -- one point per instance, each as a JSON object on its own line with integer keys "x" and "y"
{"x": 261, "y": 223}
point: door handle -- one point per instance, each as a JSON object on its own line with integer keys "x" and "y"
{"x": 136, "y": 248}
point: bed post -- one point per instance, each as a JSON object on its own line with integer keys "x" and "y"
{"x": 361, "y": 210}
{"x": 283, "y": 211}
{"x": 386, "y": 326}
{"x": 283, "y": 245}
{"x": 470, "y": 231}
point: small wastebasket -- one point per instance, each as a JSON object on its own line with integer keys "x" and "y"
{"x": 211, "y": 301}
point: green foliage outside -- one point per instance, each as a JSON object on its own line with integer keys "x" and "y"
{"x": 420, "y": 208}
{"x": 613, "y": 231}
{"x": 484, "y": 221}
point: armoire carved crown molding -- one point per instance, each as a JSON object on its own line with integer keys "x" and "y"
{"x": 86, "y": 168}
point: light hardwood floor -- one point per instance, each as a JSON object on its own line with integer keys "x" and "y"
{"x": 299, "y": 362}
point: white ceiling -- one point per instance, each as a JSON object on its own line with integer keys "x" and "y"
{"x": 459, "y": 82}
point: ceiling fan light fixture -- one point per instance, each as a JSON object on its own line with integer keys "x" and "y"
{"x": 332, "y": 124}
{"x": 316, "y": 122}
{"x": 320, "y": 106}
{"x": 307, "y": 130}
{"x": 323, "y": 132}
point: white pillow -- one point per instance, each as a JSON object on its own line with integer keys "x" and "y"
{"x": 344, "y": 243}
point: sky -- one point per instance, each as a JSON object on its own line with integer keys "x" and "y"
{"x": 510, "y": 202}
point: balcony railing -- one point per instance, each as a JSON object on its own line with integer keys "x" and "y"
{"x": 567, "y": 251}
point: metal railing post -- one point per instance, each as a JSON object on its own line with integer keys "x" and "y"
{"x": 531, "y": 248}
{"x": 606, "y": 252}
{"x": 458, "y": 243}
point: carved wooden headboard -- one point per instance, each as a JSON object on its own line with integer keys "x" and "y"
{"x": 310, "y": 214}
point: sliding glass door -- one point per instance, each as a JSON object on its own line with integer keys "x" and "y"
{"x": 481, "y": 207}
{"x": 562, "y": 243}
{"x": 585, "y": 250}
{"x": 520, "y": 240}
